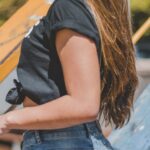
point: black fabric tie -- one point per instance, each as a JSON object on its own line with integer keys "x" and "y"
{"x": 15, "y": 95}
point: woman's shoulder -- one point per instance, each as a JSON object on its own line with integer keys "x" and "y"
{"x": 61, "y": 2}
{"x": 75, "y": 15}
{"x": 68, "y": 7}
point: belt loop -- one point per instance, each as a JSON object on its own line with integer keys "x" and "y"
{"x": 98, "y": 125}
{"x": 87, "y": 132}
{"x": 88, "y": 129}
{"x": 37, "y": 136}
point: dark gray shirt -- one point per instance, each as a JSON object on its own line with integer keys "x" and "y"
{"x": 39, "y": 69}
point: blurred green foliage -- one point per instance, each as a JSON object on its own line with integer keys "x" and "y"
{"x": 8, "y": 7}
{"x": 140, "y": 5}
{"x": 140, "y": 13}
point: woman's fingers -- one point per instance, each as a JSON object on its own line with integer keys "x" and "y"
{"x": 3, "y": 125}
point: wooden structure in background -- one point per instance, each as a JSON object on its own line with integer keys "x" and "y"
{"x": 13, "y": 31}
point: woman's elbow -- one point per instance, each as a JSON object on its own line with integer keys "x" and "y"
{"x": 92, "y": 113}
{"x": 89, "y": 111}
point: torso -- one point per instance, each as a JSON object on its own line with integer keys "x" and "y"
{"x": 39, "y": 69}
{"x": 28, "y": 102}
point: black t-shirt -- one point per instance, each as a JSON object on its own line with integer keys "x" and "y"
{"x": 39, "y": 69}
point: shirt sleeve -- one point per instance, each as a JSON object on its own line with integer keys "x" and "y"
{"x": 73, "y": 14}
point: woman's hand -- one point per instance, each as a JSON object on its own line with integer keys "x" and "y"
{"x": 3, "y": 124}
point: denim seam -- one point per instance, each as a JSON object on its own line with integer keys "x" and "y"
{"x": 23, "y": 134}
{"x": 37, "y": 137}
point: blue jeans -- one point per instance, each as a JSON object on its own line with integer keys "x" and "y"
{"x": 87, "y": 136}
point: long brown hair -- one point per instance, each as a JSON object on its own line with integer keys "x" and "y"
{"x": 119, "y": 80}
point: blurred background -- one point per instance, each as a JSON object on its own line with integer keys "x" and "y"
{"x": 18, "y": 16}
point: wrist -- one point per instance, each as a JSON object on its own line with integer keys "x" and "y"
{"x": 9, "y": 119}
{"x": 19, "y": 118}
{"x": 12, "y": 119}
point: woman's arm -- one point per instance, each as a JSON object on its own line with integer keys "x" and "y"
{"x": 79, "y": 59}
{"x": 11, "y": 137}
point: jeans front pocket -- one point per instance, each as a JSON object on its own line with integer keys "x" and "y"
{"x": 28, "y": 139}
{"x": 100, "y": 143}
{"x": 25, "y": 132}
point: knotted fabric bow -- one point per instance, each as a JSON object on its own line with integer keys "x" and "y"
{"x": 15, "y": 95}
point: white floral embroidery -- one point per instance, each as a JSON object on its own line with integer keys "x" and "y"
{"x": 27, "y": 35}
{"x": 50, "y": 1}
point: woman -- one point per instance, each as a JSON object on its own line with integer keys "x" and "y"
{"x": 76, "y": 62}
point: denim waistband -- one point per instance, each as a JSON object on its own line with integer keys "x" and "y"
{"x": 81, "y": 130}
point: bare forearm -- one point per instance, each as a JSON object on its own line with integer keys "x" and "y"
{"x": 60, "y": 113}
{"x": 11, "y": 137}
